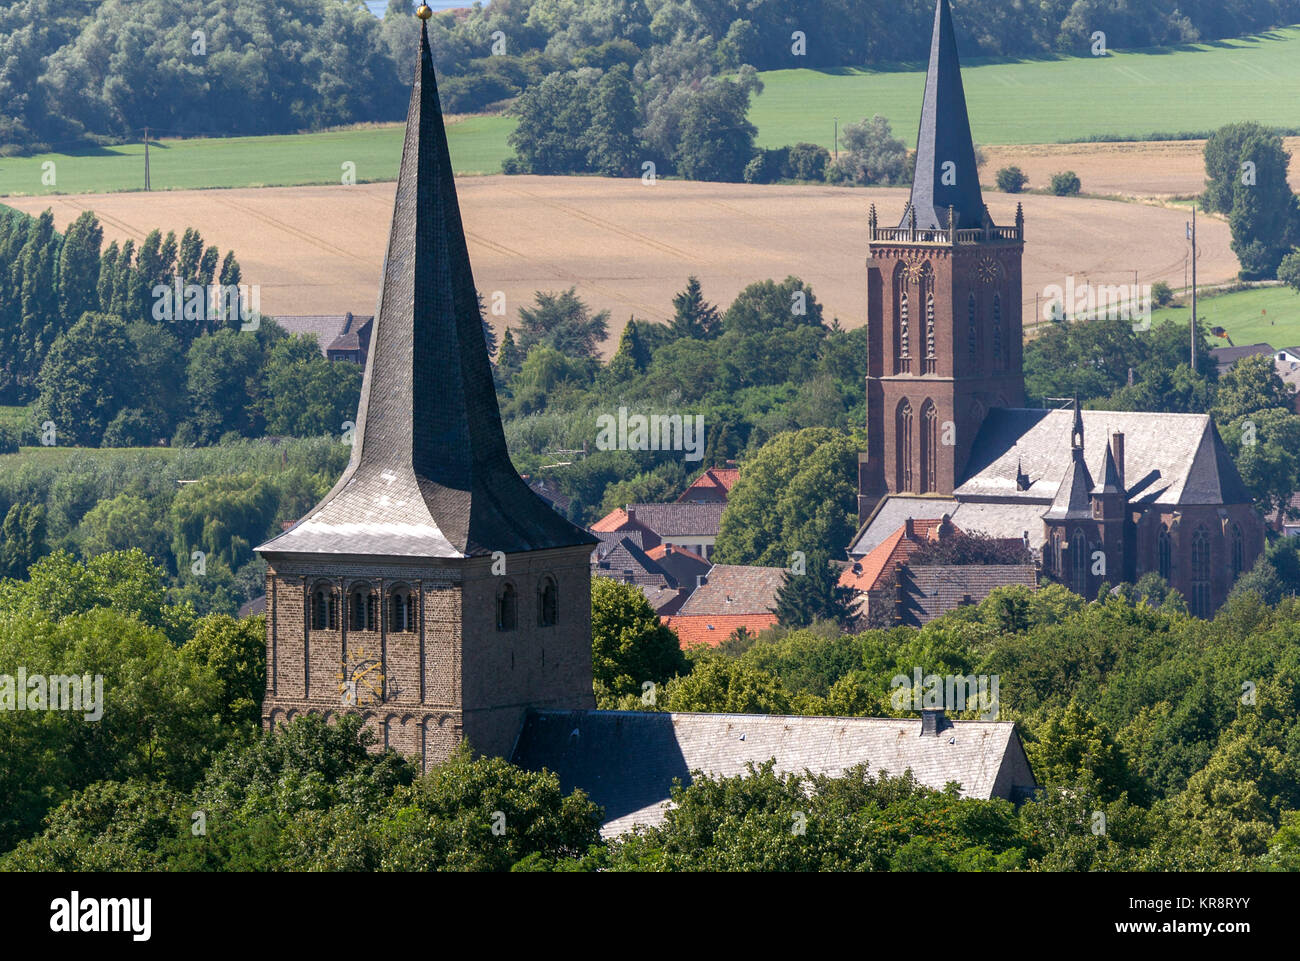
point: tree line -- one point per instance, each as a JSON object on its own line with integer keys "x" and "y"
{"x": 245, "y": 67}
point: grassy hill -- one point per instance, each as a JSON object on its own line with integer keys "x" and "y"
{"x": 1265, "y": 315}
{"x": 478, "y": 145}
{"x": 1194, "y": 88}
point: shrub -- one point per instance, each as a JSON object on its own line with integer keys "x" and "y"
{"x": 1066, "y": 184}
{"x": 1162, "y": 293}
{"x": 1012, "y": 180}
{"x": 8, "y": 440}
{"x": 807, "y": 161}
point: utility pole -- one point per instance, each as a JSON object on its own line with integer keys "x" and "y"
{"x": 1193, "y": 324}
{"x": 837, "y": 139}
{"x": 146, "y": 158}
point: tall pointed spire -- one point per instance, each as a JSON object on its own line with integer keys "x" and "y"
{"x": 430, "y": 474}
{"x": 946, "y": 172}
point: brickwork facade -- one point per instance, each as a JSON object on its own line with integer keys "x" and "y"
{"x": 431, "y": 652}
{"x": 945, "y": 345}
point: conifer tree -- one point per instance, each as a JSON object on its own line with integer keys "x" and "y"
{"x": 693, "y": 316}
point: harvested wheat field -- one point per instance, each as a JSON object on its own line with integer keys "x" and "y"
{"x": 626, "y": 246}
{"x": 1147, "y": 170}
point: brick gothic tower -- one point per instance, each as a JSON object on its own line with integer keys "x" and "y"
{"x": 430, "y": 590}
{"x": 943, "y": 305}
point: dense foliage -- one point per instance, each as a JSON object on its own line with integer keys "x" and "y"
{"x": 1160, "y": 741}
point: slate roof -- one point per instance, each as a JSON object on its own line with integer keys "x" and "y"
{"x": 623, "y": 558}
{"x": 678, "y": 520}
{"x": 1225, "y": 357}
{"x": 930, "y": 591}
{"x": 734, "y": 589}
{"x": 712, "y": 629}
{"x": 1170, "y": 459}
{"x": 324, "y": 327}
{"x": 944, "y": 137}
{"x": 890, "y": 514}
{"x": 626, "y": 761}
{"x": 355, "y": 335}
{"x": 682, "y": 565}
{"x": 1073, "y": 499}
{"x": 1003, "y": 520}
{"x": 430, "y": 475}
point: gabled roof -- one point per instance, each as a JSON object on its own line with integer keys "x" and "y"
{"x": 1169, "y": 459}
{"x": 946, "y": 172}
{"x": 670, "y": 521}
{"x": 430, "y": 475}
{"x": 734, "y": 589}
{"x": 623, "y": 559}
{"x": 682, "y": 565}
{"x": 1227, "y": 356}
{"x": 896, "y": 549}
{"x": 626, "y": 761}
{"x": 716, "y": 481}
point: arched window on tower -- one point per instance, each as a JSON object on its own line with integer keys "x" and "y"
{"x": 1201, "y": 572}
{"x": 903, "y": 444}
{"x": 324, "y": 608}
{"x": 998, "y": 361}
{"x": 1079, "y": 564}
{"x": 930, "y": 357}
{"x": 929, "y": 448}
{"x": 548, "y": 602}
{"x": 362, "y": 608}
{"x": 1238, "y": 551}
{"x": 401, "y": 610}
{"x": 507, "y": 607}
{"x": 973, "y": 332}
{"x": 1165, "y": 553}
{"x": 902, "y": 332}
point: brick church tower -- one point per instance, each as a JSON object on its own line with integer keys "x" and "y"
{"x": 943, "y": 305}
{"x": 430, "y": 590}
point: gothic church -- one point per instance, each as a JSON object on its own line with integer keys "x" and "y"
{"x": 1099, "y": 496}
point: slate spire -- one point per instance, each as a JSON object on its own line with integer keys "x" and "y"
{"x": 430, "y": 474}
{"x": 946, "y": 172}
{"x": 1110, "y": 482}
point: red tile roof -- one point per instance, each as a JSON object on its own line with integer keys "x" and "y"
{"x": 658, "y": 553}
{"x": 713, "y": 629}
{"x": 894, "y": 550}
{"x": 715, "y": 480}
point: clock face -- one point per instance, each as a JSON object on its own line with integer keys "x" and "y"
{"x": 988, "y": 270}
{"x": 361, "y": 679}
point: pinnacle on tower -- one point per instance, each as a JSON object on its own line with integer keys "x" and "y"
{"x": 946, "y": 172}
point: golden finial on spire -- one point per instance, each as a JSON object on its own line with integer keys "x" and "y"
{"x": 424, "y": 13}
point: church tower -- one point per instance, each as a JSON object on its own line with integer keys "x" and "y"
{"x": 943, "y": 305}
{"x": 430, "y": 590}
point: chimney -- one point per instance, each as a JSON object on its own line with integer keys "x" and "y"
{"x": 701, "y": 580}
{"x": 631, "y": 513}
{"x": 932, "y": 722}
{"x": 1117, "y": 451}
{"x": 909, "y": 528}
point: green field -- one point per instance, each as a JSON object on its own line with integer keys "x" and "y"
{"x": 1125, "y": 95}
{"x": 478, "y": 145}
{"x": 1189, "y": 89}
{"x": 1265, "y": 315}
